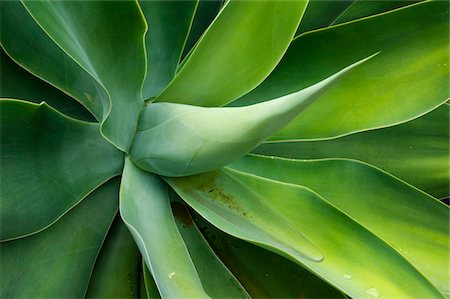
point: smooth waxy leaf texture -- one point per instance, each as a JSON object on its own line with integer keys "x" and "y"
{"x": 107, "y": 39}
{"x": 34, "y": 50}
{"x": 118, "y": 266}
{"x": 218, "y": 72}
{"x": 169, "y": 23}
{"x": 58, "y": 262}
{"x": 416, "y": 151}
{"x": 263, "y": 273}
{"x": 145, "y": 208}
{"x": 216, "y": 278}
{"x": 150, "y": 288}
{"x": 17, "y": 83}
{"x": 50, "y": 163}
{"x": 414, "y": 223}
{"x": 178, "y": 140}
{"x": 354, "y": 259}
{"x": 408, "y": 78}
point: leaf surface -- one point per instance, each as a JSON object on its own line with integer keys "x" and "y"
{"x": 227, "y": 63}
{"x": 169, "y": 23}
{"x": 34, "y": 50}
{"x": 58, "y": 262}
{"x": 412, "y": 222}
{"x": 49, "y": 163}
{"x": 177, "y": 140}
{"x": 407, "y": 79}
{"x": 416, "y": 151}
{"x": 106, "y": 38}
{"x": 116, "y": 271}
{"x": 263, "y": 273}
{"x": 145, "y": 208}
{"x": 17, "y": 83}
{"x": 353, "y": 259}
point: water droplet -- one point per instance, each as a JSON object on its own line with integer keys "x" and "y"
{"x": 410, "y": 147}
{"x": 171, "y": 274}
{"x": 373, "y": 292}
{"x": 347, "y": 276}
{"x": 266, "y": 275}
{"x": 272, "y": 157}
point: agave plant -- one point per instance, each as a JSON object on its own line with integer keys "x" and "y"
{"x": 224, "y": 149}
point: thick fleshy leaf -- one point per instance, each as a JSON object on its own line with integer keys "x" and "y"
{"x": 17, "y": 83}
{"x": 260, "y": 210}
{"x": 58, "y": 262}
{"x": 319, "y": 14}
{"x": 364, "y": 8}
{"x": 416, "y": 151}
{"x": 145, "y": 208}
{"x": 177, "y": 140}
{"x": 31, "y": 48}
{"x": 216, "y": 278}
{"x": 49, "y": 163}
{"x": 408, "y": 78}
{"x": 169, "y": 23}
{"x": 205, "y": 13}
{"x": 263, "y": 273}
{"x": 412, "y": 222}
{"x": 107, "y": 39}
{"x": 118, "y": 266}
{"x": 227, "y": 63}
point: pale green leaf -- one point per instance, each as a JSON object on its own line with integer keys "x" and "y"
{"x": 58, "y": 262}
{"x": 106, "y": 38}
{"x": 408, "y": 78}
{"x": 239, "y": 49}
{"x": 412, "y": 222}
{"x": 177, "y": 140}
{"x": 145, "y": 208}
{"x": 49, "y": 163}
{"x": 416, "y": 151}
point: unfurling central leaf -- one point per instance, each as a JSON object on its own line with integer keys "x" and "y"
{"x": 178, "y": 140}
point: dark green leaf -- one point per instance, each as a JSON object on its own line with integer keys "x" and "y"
{"x": 169, "y": 23}
{"x": 17, "y": 83}
{"x": 30, "y": 47}
{"x": 49, "y": 163}
{"x": 58, "y": 262}
{"x": 118, "y": 266}
{"x": 107, "y": 39}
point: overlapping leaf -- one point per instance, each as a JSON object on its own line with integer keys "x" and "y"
{"x": 416, "y": 151}
{"x": 30, "y": 46}
{"x": 178, "y": 270}
{"x": 412, "y": 222}
{"x": 49, "y": 163}
{"x": 106, "y": 38}
{"x": 58, "y": 262}
{"x": 118, "y": 266}
{"x": 17, "y": 83}
{"x": 169, "y": 23}
{"x": 408, "y": 78}
{"x": 218, "y": 72}
{"x": 353, "y": 259}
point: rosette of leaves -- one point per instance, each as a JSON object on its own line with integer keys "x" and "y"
{"x": 195, "y": 149}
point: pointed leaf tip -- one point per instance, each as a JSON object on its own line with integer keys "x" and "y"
{"x": 178, "y": 140}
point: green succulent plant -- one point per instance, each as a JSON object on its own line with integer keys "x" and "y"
{"x": 224, "y": 149}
